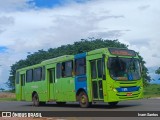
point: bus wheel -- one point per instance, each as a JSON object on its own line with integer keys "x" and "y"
{"x": 112, "y": 104}
{"x": 61, "y": 103}
{"x": 83, "y": 100}
{"x": 35, "y": 100}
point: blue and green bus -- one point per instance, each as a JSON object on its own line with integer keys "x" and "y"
{"x": 102, "y": 75}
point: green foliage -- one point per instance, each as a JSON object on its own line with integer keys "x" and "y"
{"x": 2, "y": 89}
{"x": 84, "y": 45}
{"x": 158, "y": 72}
{"x": 145, "y": 76}
{"x": 152, "y": 90}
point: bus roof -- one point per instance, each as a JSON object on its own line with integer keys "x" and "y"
{"x": 101, "y": 50}
{"x": 69, "y": 57}
{"x": 58, "y": 59}
{"x": 49, "y": 61}
{"x": 112, "y": 51}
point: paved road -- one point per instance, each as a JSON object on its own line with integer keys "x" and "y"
{"x": 135, "y": 105}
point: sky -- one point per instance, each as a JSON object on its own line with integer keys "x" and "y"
{"x": 30, "y": 25}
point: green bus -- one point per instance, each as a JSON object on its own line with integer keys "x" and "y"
{"x": 102, "y": 75}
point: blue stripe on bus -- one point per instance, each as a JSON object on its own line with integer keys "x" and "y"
{"x": 128, "y": 89}
{"x": 81, "y": 55}
{"x": 81, "y": 80}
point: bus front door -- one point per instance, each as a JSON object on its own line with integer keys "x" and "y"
{"x": 96, "y": 78}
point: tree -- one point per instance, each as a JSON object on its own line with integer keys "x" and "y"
{"x": 84, "y": 45}
{"x": 11, "y": 83}
{"x": 158, "y": 72}
{"x": 2, "y": 89}
{"x": 145, "y": 76}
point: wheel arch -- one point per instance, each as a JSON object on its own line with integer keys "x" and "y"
{"x": 78, "y": 92}
{"x": 33, "y": 93}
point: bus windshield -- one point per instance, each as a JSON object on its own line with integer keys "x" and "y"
{"x": 124, "y": 68}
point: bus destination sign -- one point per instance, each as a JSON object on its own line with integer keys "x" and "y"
{"x": 122, "y": 52}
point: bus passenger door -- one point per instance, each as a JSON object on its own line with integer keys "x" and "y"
{"x": 51, "y": 78}
{"x": 96, "y": 78}
{"x": 22, "y": 78}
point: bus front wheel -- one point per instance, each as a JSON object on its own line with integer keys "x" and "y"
{"x": 83, "y": 100}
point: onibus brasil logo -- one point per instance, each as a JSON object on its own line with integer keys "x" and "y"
{"x": 19, "y": 114}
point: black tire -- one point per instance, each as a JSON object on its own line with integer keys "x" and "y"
{"x": 83, "y": 100}
{"x": 35, "y": 100}
{"x": 112, "y": 104}
{"x": 61, "y": 103}
{"x": 42, "y": 103}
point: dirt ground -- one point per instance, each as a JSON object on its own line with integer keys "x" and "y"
{"x": 7, "y": 95}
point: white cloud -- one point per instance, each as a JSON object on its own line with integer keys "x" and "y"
{"x": 13, "y": 5}
{"x": 133, "y": 22}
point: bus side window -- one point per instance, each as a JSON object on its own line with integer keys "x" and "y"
{"x": 64, "y": 69}
{"x": 29, "y": 74}
{"x": 80, "y": 66}
{"x": 37, "y": 74}
{"x": 58, "y": 70}
{"x": 68, "y": 68}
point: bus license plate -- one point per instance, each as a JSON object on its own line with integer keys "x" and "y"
{"x": 129, "y": 94}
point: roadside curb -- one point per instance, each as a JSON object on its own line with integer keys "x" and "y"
{"x": 154, "y": 98}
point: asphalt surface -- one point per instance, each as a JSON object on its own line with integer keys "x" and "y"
{"x": 134, "y": 105}
{"x": 149, "y": 105}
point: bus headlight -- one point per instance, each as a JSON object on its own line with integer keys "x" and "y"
{"x": 114, "y": 90}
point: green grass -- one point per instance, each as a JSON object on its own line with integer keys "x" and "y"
{"x": 7, "y": 99}
{"x": 152, "y": 90}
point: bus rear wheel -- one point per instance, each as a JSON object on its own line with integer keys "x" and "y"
{"x": 112, "y": 104}
{"x": 35, "y": 100}
{"x": 83, "y": 100}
